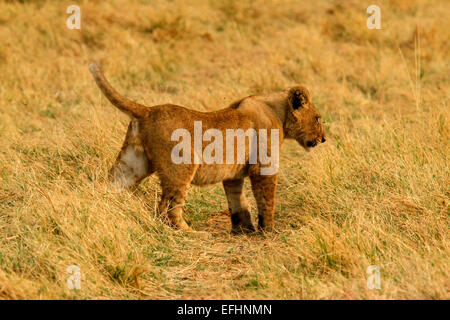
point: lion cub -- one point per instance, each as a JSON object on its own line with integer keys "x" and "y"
{"x": 151, "y": 146}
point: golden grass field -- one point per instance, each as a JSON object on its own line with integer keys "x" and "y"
{"x": 376, "y": 193}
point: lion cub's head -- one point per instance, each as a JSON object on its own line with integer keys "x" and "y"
{"x": 303, "y": 121}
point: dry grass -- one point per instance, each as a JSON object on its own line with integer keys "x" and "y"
{"x": 376, "y": 193}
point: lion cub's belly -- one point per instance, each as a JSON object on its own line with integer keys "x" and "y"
{"x": 214, "y": 173}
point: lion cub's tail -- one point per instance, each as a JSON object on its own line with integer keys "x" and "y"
{"x": 133, "y": 109}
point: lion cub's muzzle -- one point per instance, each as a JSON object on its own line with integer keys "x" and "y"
{"x": 314, "y": 143}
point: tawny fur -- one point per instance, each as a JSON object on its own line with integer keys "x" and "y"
{"x": 147, "y": 149}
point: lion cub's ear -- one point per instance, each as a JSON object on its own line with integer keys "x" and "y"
{"x": 298, "y": 97}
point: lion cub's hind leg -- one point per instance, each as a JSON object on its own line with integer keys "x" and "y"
{"x": 132, "y": 164}
{"x": 237, "y": 203}
{"x": 172, "y": 202}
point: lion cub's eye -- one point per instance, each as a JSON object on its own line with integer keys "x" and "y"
{"x": 318, "y": 119}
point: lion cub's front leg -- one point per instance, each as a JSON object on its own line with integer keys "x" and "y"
{"x": 264, "y": 188}
{"x": 237, "y": 203}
